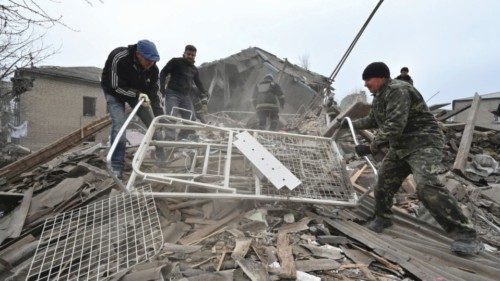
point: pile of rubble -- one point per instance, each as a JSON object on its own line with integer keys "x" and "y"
{"x": 11, "y": 152}
{"x": 253, "y": 240}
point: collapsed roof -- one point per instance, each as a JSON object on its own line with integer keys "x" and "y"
{"x": 231, "y": 80}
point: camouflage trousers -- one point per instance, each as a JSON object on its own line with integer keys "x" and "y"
{"x": 424, "y": 165}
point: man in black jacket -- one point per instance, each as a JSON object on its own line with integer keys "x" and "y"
{"x": 129, "y": 74}
{"x": 182, "y": 73}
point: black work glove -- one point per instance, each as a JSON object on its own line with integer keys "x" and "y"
{"x": 362, "y": 150}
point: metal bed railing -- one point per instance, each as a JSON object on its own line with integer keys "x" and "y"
{"x": 212, "y": 167}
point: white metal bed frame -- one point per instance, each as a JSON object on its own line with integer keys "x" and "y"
{"x": 212, "y": 171}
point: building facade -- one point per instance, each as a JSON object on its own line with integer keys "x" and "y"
{"x": 489, "y": 102}
{"x": 60, "y": 101}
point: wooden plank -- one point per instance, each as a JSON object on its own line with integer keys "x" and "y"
{"x": 254, "y": 270}
{"x": 201, "y": 233}
{"x": 358, "y": 173}
{"x": 56, "y": 148}
{"x": 285, "y": 256}
{"x": 11, "y": 196}
{"x": 260, "y": 251}
{"x": 61, "y": 192}
{"x": 468, "y": 134}
{"x": 241, "y": 248}
{"x": 187, "y": 204}
{"x": 221, "y": 260}
{"x": 198, "y": 221}
{"x": 97, "y": 172}
{"x": 356, "y": 110}
{"x": 316, "y": 264}
{"x": 452, "y": 113}
{"x": 362, "y": 267}
{"x": 358, "y": 256}
{"x": 362, "y": 189}
{"x": 16, "y": 251}
{"x": 437, "y": 106}
{"x": 17, "y": 223}
{"x": 477, "y": 127}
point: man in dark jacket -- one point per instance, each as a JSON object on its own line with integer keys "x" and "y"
{"x": 129, "y": 74}
{"x": 404, "y": 76}
{"x": 267, "y": 100}
{"x": 415, "y": 144}
{"x": 183, "y": 73}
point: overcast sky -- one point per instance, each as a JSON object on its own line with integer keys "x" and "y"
{"x": 449, "y": 46}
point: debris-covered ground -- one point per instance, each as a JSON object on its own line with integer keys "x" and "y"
{"x": 207, "y": 239}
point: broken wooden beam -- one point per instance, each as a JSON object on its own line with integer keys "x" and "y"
{"x": 316, "y": 265}
{"x": 241, "y": 248}
{"x": 452, "y": 113}
{"x": 18, "y": 221}
{"x": 285, "y": 256}
{"x": 468, "y": 134}
{"x": 356, "y": 110}
{"x": 56, "y": 148}
{"x": 207, "y": 230}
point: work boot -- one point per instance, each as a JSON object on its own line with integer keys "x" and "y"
{"x": 464, "y": 245}
{"x": 378, "y": 224}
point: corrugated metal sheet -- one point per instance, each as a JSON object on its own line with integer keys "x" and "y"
{"x": 419, "y": 247}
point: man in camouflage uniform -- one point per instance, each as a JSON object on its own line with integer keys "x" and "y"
{"x": 267, "y": 99}
{"x": 415, "y": 145}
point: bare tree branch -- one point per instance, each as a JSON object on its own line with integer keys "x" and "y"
{"x": 23, "y": 26}
{"x": 304, "y": 61}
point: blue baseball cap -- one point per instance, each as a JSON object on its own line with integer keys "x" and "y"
{"x": 148, "y": 50}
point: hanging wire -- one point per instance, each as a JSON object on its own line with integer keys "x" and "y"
{"x": 349, "y": 49}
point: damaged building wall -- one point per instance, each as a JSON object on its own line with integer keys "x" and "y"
{"x": 231, "y": 81}
{"x": 489, "y": 102}
{"x": 55, "y": 105}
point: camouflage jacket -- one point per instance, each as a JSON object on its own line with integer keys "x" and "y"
{"x": 403, "y": 119}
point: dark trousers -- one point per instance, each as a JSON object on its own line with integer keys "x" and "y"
{"x": 176, "y": 99}
{"x": 116, "y": 109}
{"x": 272, "y": 115}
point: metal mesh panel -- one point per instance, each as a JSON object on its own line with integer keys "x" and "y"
{"x": 323, "y": 176}
{"x": 98, "y": 240}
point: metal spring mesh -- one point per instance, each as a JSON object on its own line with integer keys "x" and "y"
{"x": 99, "y": 240}
{"x": 311, "y": 159}
{"x": 323, "y": 176}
